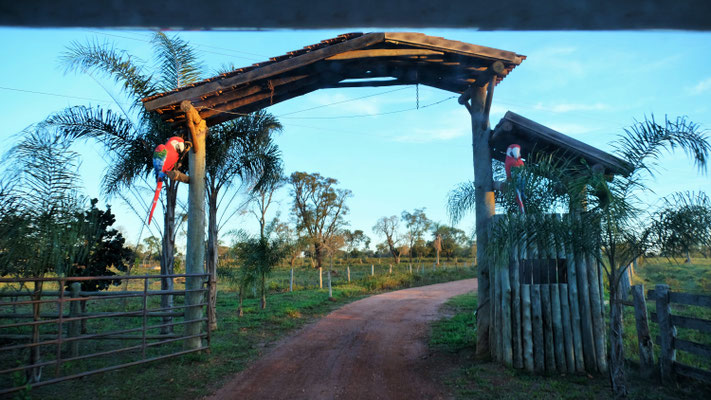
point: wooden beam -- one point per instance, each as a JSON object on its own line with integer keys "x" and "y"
{"x": 393, "y": 82}
{"x": 195, "y": 254}
{"x": 241, "y": 102}
{"x": 442, "y": 44}
{"x": 376, "y": 53}
{"x": 266, "y": 71}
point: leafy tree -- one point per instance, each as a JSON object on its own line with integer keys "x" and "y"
{"x": 388, "y": 227}
{"x": 319, "y": 209}
{"x": 417, "y": 224}
{"x": 684, "y": 222}
{"x": 100, "y": 248}
{"x": 453, "y": 239}
{"x": 258, "y": 257}
{"x": 353, "y": 240}
{"x": 130, "y": 136}
{"x": 241, "y": 148}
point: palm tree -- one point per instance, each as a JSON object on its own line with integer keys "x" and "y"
{"x": 130, "y": 136}
{"x": 614, "y": 206}
{"x": 241, "y": 148}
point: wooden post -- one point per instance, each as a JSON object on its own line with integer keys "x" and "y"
{"x": 548, "y": 324}
{"x": 667, "y": 334}
{"x": 568, "y": 349}
{"x": 291, "y": 280}
{"x": 516, "y": 309}
{"x": 506, "y": 334}
{"x": 348, "y": 272}
{"x": 575, "y": 317}
{"x": 526, "y": 332}
{"x": 585, "y": 313}
{"x": 484, "y": 197}
{"x": 644, "y": 339}
{"x": 330, "y": 290}
{"x": 537, "y": 324}
{"x": 195, "y": 255}
{"x": 598, "y": 322}
{"x": 372, "y": 270}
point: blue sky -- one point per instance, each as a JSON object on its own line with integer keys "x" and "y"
{"x": 589, "y": 85}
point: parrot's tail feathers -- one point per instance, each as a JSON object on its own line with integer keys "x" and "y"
{"x": 519, "y": 200}
{"x": 155, "y": 201}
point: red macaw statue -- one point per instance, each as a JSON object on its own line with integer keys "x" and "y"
{"x": 513, "y": 160}
{"x": 165, "y": 156}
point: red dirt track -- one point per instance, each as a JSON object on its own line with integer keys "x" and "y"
{"x": 374, "y": 348}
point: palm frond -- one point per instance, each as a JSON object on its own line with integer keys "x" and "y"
{"x": 178, "y": 62}
{"x": 104, "y": 59}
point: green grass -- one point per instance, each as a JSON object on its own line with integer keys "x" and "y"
{"x": 472, "y": 379}
{"x": 236, "y": 343}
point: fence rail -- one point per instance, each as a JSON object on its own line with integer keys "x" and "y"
{"x": 52, "y": 338}
{"x": 667, "y": 338}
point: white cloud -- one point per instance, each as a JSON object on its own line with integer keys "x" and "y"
{"x": 701, "y": 87}
{"x": 447, "y": 126}
{"x": 567, "y": 107}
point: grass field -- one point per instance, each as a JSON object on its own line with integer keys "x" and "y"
{"x": 453, "y": 340}
{"x": 237, "y": 340}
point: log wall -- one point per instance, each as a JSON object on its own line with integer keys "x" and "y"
{"x": 547, "y": 310}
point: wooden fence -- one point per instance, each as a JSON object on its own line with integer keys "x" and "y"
{"x": 547, "y": 310}
{"x": 668, "y": 339}
{"x": 46, "y": 340}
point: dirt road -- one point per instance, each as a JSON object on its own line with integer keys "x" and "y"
{"x": 370, "y": 349}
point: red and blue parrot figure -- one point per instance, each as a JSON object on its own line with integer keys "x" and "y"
{"x": 165, "y": 156}
{"x": 513, "y": 160}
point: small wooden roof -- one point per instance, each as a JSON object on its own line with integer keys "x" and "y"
{"x": 405, "y": 57}
{"x": 534, "y": 137}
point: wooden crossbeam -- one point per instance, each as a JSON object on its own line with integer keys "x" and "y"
{"x": 357, "y": 54}
{"x": 267, "y": 71}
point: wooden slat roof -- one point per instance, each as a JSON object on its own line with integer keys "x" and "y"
{"x": 532, "y": 136}
{"x": 406, "y": 57}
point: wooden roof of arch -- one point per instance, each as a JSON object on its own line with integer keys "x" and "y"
{"x": 404, "y": 57}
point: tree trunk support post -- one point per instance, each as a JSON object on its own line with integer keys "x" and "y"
{"x": 195, "y": 255}
{"x": 644, "y": 338}
{"x": 478, "y": 100}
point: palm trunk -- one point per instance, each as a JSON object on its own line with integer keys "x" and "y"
{"x": 617, "y": 358}
{"x": 167, "y": 257}
{"x": 212, "y": 255}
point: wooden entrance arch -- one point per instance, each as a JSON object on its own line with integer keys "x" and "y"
{"x": 405, "y": 57}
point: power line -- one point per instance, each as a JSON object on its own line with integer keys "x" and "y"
{"x": 377, "y": 114}
{"x": 200, "y": 46}
{"x": 341, "y": 102}
{"x": 55, "y": 94}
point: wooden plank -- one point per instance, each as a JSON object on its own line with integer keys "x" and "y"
{"x": 667, "y": 333}
{"x": 598, "y": 322}
{"x": 526, "y": 328}
{"x": 585, "y": 313}
{"x": 693, "y": 347}
{"x": 516, "y": 308}
{"x": 558, "y": 335}
{"x": 690, "y": 299}
{"x": 575, "y": 317}
{"x": 252, "y": 89}
{"x": 506, "y": 334}
{"x": 376, "y": 53}
{"x": 195, "y": 92}
{"x": 548, "y": 338}
{"x": 691, "y": 323}
{"x": 567, "y": 328}
{"x": 262, "y": 95}
{"x": 644, "y": 339}
{"x": 691, "y": 372}
{"x": 439, "y": 43}
{"x": 537, "y": 325}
